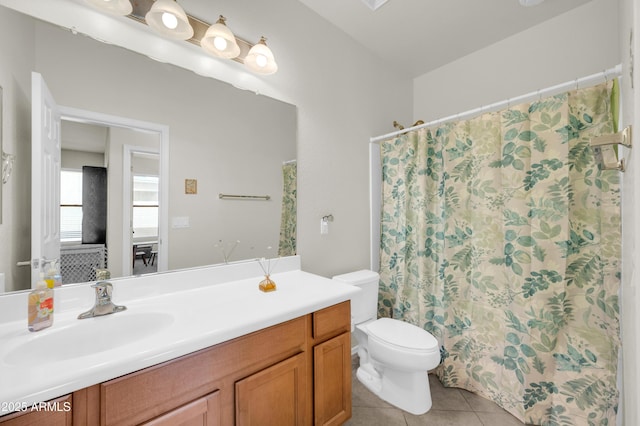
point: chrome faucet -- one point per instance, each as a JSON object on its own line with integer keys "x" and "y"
{"x": 103, "y": 304}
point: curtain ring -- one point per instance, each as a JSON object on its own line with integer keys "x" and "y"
{"x": 606, "y": 77}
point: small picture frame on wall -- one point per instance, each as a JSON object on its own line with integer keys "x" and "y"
{"x": 190, "y": 186}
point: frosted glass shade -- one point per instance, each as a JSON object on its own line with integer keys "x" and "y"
{"x": 220, "y": 41}
{"x": 168, "y": 19}
{"x": 529, "y": 3}
{"x": 114, "y": 7}
{"x": 260, "y": 59}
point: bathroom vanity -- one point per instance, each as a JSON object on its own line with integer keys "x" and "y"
{"x": 280, "y": 358}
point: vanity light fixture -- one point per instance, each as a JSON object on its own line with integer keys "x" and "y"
{"x": 114, "y": 7}
{"x": 260, "y": 58}
{"x": 167, "y": 18}
{"x": 220, "y": 41}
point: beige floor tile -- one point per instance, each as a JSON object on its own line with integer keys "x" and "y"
{"x": 367, "y": 416}
{"x": 444, "y": 418}
{"x": 448, "y": 399}
{"x": 480, "y": 403}
{"x": 498, "y": 419}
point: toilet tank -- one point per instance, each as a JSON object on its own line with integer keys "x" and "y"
{"x": 364, "y": 305}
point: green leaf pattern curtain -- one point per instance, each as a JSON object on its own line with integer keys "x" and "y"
{"x": 501, "y": 237}
{"x": 288, "y": 222}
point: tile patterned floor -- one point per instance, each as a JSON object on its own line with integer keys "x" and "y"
{"x": 451, "y": 407}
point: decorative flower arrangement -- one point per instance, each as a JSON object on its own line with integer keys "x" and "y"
{"x": 226, "y": 255}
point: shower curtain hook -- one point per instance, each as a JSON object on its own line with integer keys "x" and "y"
{"x": 577, "y": 84}
{"x": 606, "y": 77}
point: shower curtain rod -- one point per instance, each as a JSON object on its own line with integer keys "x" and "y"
{"x": 587, "y": 81}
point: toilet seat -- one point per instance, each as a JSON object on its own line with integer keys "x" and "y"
{"x": 402, "y": 335}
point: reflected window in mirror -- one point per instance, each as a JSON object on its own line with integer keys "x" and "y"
{"x": 70, "y": 206}
{"x": 145, "y": 207}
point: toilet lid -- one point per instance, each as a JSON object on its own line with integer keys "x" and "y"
{"x": 402, "y": 334}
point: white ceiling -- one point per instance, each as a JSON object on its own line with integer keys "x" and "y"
{"x": 418, "y": 36}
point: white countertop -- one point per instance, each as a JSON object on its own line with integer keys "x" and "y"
{"x": 192, "y": 316}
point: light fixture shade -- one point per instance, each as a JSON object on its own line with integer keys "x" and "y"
{"x": 167, "y": 18}
{"x": 260, "y": 59}
{"x": 220, "y": 41}
{"x": 529, "y": 3}
{"x": 114, "y": 7}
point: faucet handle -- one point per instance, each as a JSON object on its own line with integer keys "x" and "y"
{"x": 102, "y": 274}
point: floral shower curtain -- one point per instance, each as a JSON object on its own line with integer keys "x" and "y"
{"x": 501, "y": 237}
{"x": 288, "y": 222}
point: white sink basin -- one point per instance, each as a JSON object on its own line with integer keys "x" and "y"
{"x": 87, "y": 336}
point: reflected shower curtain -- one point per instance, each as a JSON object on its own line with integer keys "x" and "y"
{"x": 288, "y": 222}
{"x": 501, "y": 237}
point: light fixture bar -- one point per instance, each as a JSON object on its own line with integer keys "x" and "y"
{"x": 141, "y": 7}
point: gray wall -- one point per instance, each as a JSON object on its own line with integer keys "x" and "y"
{"x": 17, "y": 40}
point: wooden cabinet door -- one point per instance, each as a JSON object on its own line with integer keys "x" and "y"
{"x": 332, "y": 381}
{"x": 274, "y": 396}
{"x": 204, "y": 411}
{"x": 53, "y": 413}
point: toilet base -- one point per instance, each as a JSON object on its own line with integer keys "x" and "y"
{"x": 408, "y": 391}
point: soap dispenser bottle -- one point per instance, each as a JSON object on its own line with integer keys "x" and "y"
{"x": 40, "y": 306}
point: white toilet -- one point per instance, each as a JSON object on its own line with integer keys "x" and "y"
{"x": 394, "y": 355}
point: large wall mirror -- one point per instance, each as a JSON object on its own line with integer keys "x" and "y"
{"x": 221, "y": 140}
{"x": 2, "y": 159}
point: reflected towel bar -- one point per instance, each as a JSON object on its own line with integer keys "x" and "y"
{"x": 244, "y": 197}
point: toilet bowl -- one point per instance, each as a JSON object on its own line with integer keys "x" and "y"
{"x": 394, "y": 355}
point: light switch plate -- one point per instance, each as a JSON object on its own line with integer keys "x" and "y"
{"x": 180, "y": 222}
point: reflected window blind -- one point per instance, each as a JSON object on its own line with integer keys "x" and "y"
{"x": 70, "y": 205}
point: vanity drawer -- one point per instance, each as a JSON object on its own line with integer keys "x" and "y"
{"x": 332, "y": 321}
{"x": 203, "y": 411}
